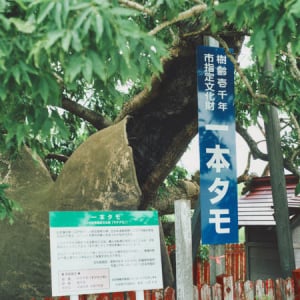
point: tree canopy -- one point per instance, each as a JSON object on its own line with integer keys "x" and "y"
{"x": 108, "y": 84}
{"x": 63, "y": 64}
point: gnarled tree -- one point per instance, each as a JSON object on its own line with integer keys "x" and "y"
{"x": 63, "y": 65}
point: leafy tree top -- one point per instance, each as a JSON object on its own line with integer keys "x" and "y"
{"x": 54, "y": 54}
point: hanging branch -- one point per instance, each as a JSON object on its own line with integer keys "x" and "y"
{"x": 198, "y": 32}
{"x": 245, "y": 176}
{"x": 296, "y": 152}
{"x": 137, "y": 6}
{"x": 194, "y": 11}
{"x": 294, "y": 68}
{"x": 296, "y": 124}
{"x": 238, "y": 69}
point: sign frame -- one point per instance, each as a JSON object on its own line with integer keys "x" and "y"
{"x": 104, "y": 251}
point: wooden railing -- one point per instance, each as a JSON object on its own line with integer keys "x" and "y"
{"x": 229, "y": 286}
{"x": 278, "y": 289}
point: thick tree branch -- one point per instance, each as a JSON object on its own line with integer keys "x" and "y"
{"x": 148, "y": 94}
{"x": 79, "y": 110}
{"x": 257, "y": 154}
{"x": 294, "y": 68}
{"x": 197, "y": 32}
{"x": 136, "y": 6}
{"x": 169, "y": 159}
{"x": 138, "y": 101}
{"x": 239, "y": 70}
{"x": 59, "y": 157}
{"x": 245, "y": 175}
{"x": 296, "y": 152}
{"x": 194, "y": 11}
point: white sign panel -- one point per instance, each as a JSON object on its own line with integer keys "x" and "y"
{"x": 97, "y": 252}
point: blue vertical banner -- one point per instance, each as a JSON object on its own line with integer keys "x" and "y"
{"x": 216, "y": 119}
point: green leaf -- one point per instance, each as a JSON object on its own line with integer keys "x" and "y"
{"x": 66, "y": 40}
{"x": 291, "y": 23}
{"x": 280, "y": 24}
{"x": 20, "y": 134}
{"x": 80, "y": 6}
{"x": 297, "y": 189}
{"x": 44, "y": 88}
{"x": 97, "y": 63}
{"x": 41, "y": 115}
{"x": 76, "y": 42}
{"x": 82, "y": 17}
{"x": 295, "y": 9}
{"x": 66, "y": 5}
{"x": 57, "y": 119}
{"x": 44, "y": 11}
{"x": 23, "y": 26}
{"x": 47, "y": 126}
{"x": 87, "y": 70}
{"x": 126, "y": 12}
{"x": 52, "y": 38}
{"x": 99, "y": 27}
{"x": 3, "y": 93}
{"x": 73, "y": 68}
{"x": 87, "y": 25}
{"x": 16, "y": 73}
{"x": 259, "y": 41}
{"x": 54, "y": 88}
{"x": 58, "y": 15}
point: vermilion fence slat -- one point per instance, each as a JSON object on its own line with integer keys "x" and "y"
{"x": 157, "y": 295}
{"x": 118, "y": 296}
{"x": 103, "y": 297}
{"x": 270, "y": 289}
{"x": 130, "y": 295}
{"x": 147, "y": 295}
{"x": 169, "y": 294}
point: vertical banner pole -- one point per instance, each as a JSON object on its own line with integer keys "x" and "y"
{"x": 184, "y": 264}
{"x": 216, "y": 118}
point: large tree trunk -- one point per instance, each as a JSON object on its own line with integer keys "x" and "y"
{"x": 119, "y": 167}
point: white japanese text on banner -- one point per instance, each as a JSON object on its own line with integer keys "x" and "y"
{"x": 216, "y": 119}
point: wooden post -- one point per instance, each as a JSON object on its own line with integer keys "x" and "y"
{"x": 228, "y": 288}
{"x": 168, "y": 275}
{"x": 281, "y": 213}
{"x": 184, "y": 263}
{"x": 249, "y": 290}
{"x": 259, "y": 289}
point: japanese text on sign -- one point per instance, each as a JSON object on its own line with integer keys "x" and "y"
{"x": 216, "y": 118}
{"x": 94, "y": 252}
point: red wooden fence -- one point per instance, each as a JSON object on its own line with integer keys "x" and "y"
{"x": 235, "y": 261}
{"x": 235, "y": 265}
{"x": 230, "y": 285}
{"x": 278, "y": 289}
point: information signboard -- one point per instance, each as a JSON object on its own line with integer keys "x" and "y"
{"x": 106, "y": 251}
{"x": 216, "y": 118}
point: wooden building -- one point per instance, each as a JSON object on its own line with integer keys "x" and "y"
{"x": 256, "y": 215}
